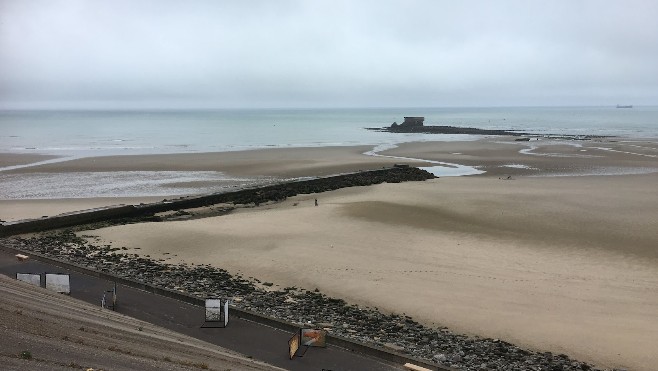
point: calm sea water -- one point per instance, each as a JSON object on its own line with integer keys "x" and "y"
{"x": 92, "y": 133}
{"x": 101, "y": 133}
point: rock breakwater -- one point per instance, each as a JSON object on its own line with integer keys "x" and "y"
{"x": 255, "y": 195}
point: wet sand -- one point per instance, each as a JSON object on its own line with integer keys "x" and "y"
{"x": 566, "y": 264}
{"x": 282, "y": 163}
{"x": 500, "y": 156}
{"x": 14, "y": 159}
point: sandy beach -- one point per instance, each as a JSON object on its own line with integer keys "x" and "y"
{"x": 553, "y": 258}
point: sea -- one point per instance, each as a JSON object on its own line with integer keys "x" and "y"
{"x": 72, "y": 134}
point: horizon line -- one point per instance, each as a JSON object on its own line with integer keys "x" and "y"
{"x": 293, "y": 108}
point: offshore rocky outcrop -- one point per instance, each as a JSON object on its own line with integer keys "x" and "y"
{"x": 416, "y": 125}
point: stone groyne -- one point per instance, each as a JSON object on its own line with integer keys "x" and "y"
{"x": 248, "y": 195}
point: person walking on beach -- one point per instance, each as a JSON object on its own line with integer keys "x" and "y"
{"x": 316, "y": 202}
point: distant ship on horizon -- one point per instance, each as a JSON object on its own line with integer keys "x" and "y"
{"x": 624, "y": 106}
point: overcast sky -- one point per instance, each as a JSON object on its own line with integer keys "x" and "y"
{"x": 334, "y": 53}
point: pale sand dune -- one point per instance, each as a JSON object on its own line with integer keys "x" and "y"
{"x": 568, "y": 265}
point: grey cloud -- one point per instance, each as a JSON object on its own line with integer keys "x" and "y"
{"x": 328, "y": 53}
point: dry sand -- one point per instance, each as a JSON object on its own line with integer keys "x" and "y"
{"x": 62, "y": 333}
{"x": 562, "y": 264}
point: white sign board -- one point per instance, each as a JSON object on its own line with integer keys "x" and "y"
{"x": 225, "y": 313}
{"x": 213, "y": 310}
{"x": 58, "y": 283}
{"x": 34, "y": 279}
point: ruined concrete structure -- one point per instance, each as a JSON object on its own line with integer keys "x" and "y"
{"x": 413, "y": 121}
{"x": 410, "y": 121}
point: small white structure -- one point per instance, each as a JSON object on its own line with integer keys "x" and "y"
{"x": 226, "y": 313}
{"x": 216, "y": 313}
{"x": 58, "y": 283}
{"x": 33, "y": 279}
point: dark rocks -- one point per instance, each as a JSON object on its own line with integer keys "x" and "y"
{"x": 279, "y": 192}
{"x": 443, "y": 130}
{"x": 410, "y": 121}
{"x": 418, "y": 127}
{"x": 394, "y": 347}
{"x": 440, "y": 358}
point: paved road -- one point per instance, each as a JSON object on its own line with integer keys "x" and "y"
{"x": 258, "y": 341}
